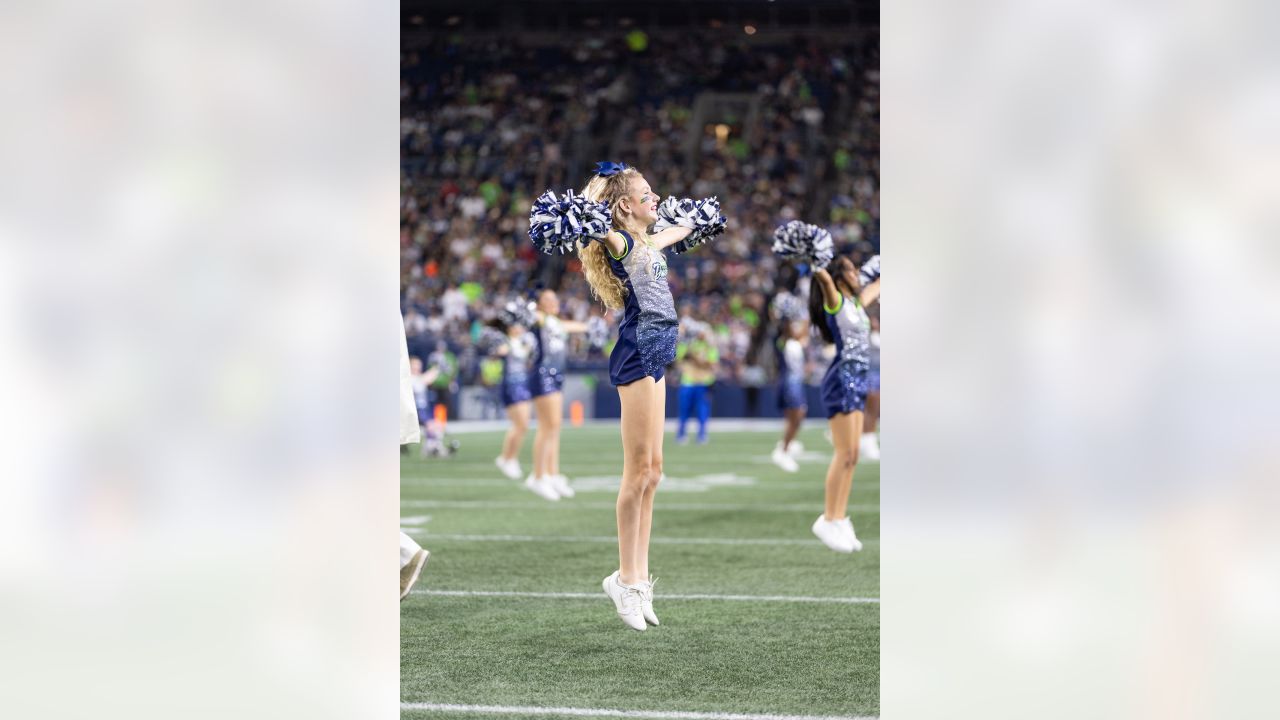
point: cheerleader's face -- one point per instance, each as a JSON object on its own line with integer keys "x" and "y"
{"x": 549, "y": 302}
{"x": 515, "y": 331}
{"x": 642, "y": 201}
{"x": 845, "y": 275}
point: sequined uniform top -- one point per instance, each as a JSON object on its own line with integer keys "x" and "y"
{"x": 647, "y": 335}
{"x": 549, "y": 345}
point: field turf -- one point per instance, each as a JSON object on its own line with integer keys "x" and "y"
{"x": 771, "y": 622}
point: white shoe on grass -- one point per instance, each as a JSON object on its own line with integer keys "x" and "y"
{"x": 510, "y": 468}
{"x": 410, "y": 572}
{"x": 832, "y": 534}
{"x": 783, "y": 459}
{"x": 541, "y": 487}
{"x": 795, "y": 448}
{"x": 560, "y": 484}
{"x": 626, "y": 599}
{"x": 847, "y": 525}
{"x": 869, "y": 447}
{"x": 646, "y": 602}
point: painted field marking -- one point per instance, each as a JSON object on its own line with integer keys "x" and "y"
{"x": 612, "y": 486}
{"x": 611, "y": 540}
{"x": 659, "y": 505}
{"x": 664, "y": 597}
{"x": 604, "y": 712}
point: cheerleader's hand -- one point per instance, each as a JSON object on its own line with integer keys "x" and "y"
{"x": 686, "y": 224}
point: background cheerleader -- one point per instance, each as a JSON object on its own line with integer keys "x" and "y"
{"x": 514, "y": 391}
{"x": 791, "y": 388}
{"x": 835, "y": 309}
{"x": 869, "y": 445}
{"x": 546, "y": 381}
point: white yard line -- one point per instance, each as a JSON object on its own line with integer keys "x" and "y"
{"x": 489, "y": 482}
{"x": 659, "y": 504}
{"x": 663, "y": 596}
{"x": 604, "y": 712}
{"x": 612, "y": 540}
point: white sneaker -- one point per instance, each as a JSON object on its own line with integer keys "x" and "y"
{"x": 795, "y": 448}
{"x": 869, "y": 447}
{"x": 646, "y": 601}
{"x": 627, "y": 599}
{"x": 510, "y": 468}
{"x": 560, "y": 484}
{"x": 832, "y": 534}
{"x": 541, "y": 487}
{"x": 783, "y": 459}
{"x": 409, "y": 573}
{"x": 847, "y": 525}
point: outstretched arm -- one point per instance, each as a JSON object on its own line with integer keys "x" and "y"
{"x": 870, "y": 293}
{"x": 831, "y": 297}
{"x": 672, "y": 235}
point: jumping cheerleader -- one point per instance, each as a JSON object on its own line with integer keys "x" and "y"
{"x": 626, "y": 268}
{"x": 545, "y": 383}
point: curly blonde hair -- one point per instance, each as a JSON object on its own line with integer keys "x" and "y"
{"x": 606, "y": 286}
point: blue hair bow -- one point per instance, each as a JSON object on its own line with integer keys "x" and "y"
{"x": 608, "y": 169}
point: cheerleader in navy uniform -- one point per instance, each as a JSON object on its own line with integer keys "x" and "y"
{"x": 546, "y": 380}
{"x": 626, "y": 269}
{"x": 791, "y": 390}
{"x": 836, "y": 300}
{"x": 869, "y": 445}
{"x": 515, "y": 394}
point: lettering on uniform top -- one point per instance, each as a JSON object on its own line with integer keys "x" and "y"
{"x": 660, "y": 269}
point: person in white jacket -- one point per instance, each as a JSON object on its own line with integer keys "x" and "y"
{"x": 413, "y": 557}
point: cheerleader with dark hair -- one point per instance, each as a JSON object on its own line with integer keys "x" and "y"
{"x": 836, "y": 299}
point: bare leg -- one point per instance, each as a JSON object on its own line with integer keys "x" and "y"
{"x": 519, "y": 414}
{"x": 794, "y": 417}
{"x": 554, "y": 419}
{"x": 646, "y": 503}
{"x": 540, "y": 436}
{"x": 845, "y": 431}
{"x": 872, "y": 420}
{"x": 638, "y": 471}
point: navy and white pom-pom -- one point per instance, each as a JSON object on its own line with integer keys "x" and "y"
{"x": 518, "y": 313}
{"x": 789, "y": 307}
{"x": 870, "y": 271}
{"x": 703, "y": 216}
{"x": 489, "y": 341}
{"x": 597, "y": 332}
{"x": 565, "y": 223}
{"x": 802, "y": 241}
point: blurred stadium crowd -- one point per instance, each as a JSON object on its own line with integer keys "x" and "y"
{"x": 778, "y": 126}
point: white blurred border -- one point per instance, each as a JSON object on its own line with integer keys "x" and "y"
{"x": 1080, "y": 205}
{"x": 197, "y": 223}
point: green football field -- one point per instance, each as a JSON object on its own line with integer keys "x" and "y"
{"x": 758, "y": 617}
